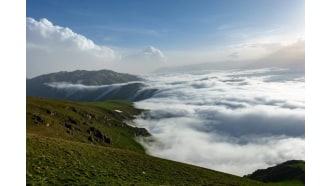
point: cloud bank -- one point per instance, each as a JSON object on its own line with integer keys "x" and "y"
{"x": 231, "y": 121}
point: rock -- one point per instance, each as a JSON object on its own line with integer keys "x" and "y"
{"x": 69, "y": 132}
{"x": 107, "y": 140}
{"x": 37, "y": 119}
{"x": 71, "y": 120}
{"x": 96, "y": 135}
{"x": 140, "y": 132}
{"x": 69, "y": 126}
{"x": 71, "y": 108}
{"x": 90, "y": 138}
{"x": 50, "y": 112}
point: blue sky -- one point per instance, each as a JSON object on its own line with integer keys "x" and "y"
{"x": 175, "y": 26}
{"x": 170, "y": 24}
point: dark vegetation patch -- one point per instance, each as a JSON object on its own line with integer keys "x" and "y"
{"x": 291, "y": 172}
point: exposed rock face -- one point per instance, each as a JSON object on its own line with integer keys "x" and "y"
{"x": 97, "y": 136}
{"x": 141, "y": 132}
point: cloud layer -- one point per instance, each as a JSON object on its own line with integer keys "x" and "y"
{"x": 234, "y": 121}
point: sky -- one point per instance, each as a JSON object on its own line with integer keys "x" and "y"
{"x": 141, "y": 36}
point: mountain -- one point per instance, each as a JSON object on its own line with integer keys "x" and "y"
{"x": 84, "y": 85}
{"x": 101, "y": 77}
{"x": 72, "y": 143}
{"x": 290, "y": 172}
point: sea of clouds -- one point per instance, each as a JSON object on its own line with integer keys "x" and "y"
{"x": 233, "y": 121}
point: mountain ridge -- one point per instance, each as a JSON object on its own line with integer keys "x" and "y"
{"x": 85, "y": 77}
{"x": 82, "y": 85}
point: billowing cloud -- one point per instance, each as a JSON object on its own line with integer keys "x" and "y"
{"x": 144, "y": 61}
{"x": 54, "y": 48}
{"x": 231, "y": 121}
{"x": 153, "y": 53}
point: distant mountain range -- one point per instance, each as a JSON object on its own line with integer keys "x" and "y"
{"x": 82, "y": 85}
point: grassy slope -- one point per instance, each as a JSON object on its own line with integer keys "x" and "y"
{"x": 290, "y": 173}
{"x": 59, "y": 151}
{"x": 72, "y": 121}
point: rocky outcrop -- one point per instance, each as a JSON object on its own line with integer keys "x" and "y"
{"x": 37, "y": 119}
{"x": 141, "y": 132}
{"x": 96, "y": 135}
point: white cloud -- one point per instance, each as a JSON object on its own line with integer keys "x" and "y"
{"x": 231, "y": 121}
{"x": 53, "y": 48}
{"x": 142, "y": 62}
{"x": 153, "y": 53}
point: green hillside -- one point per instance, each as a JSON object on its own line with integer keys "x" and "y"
{"x": 82, "y": 85}
{"x": 100, "y": 77}
{"x": 93, "y": 123}
{"x": 69, "y": 143}
{"x": 289, "y": 173}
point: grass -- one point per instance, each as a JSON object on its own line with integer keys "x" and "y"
{"x": 287, "y": 183}
{"x": 300, "y": 165}
{"x": 289, "y": 173}
{"x": 52, "y": 161}
{"x": 72, "y": 121}
{"x": 59, "y": 150}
